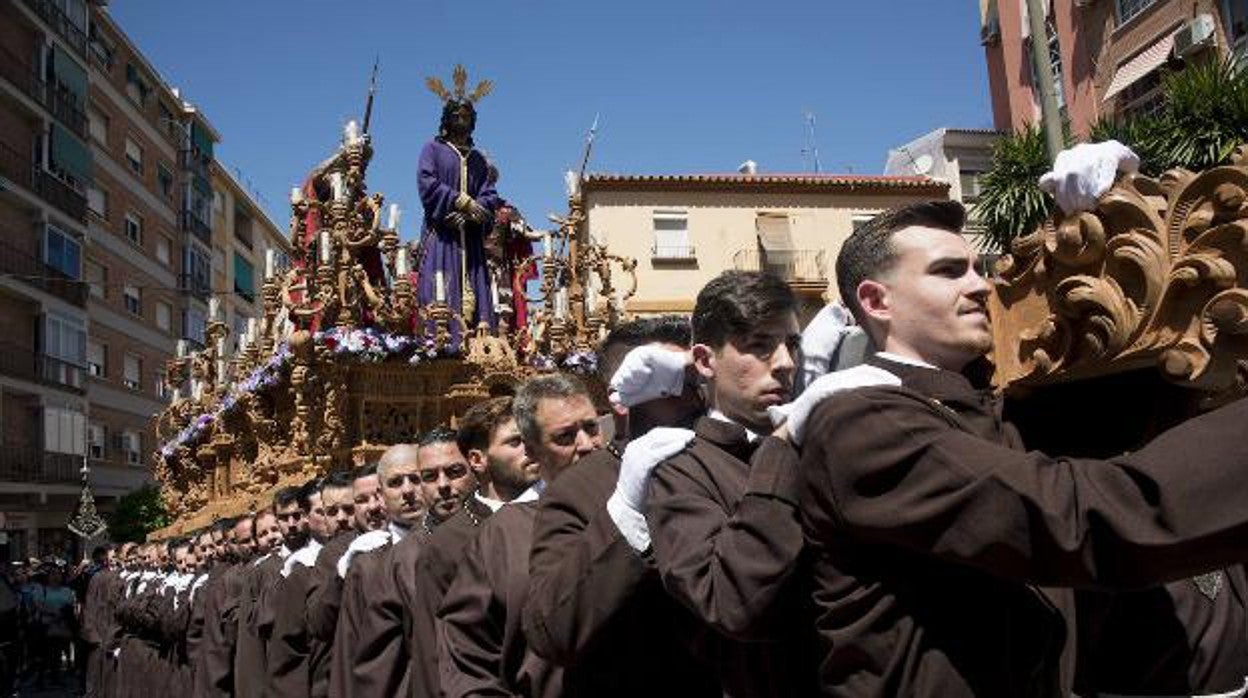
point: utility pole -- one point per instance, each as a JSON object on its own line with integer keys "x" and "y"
{"x": 1050, "y": 117}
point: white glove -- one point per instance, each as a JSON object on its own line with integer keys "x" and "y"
{"x": 831, "y": 341}
{"x": 628, "y": 501}
{"x": 1082, "y": 173}
{"x": 795, "y": 413}
{"x": 647, "y": 373}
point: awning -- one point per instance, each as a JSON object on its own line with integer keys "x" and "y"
{"x": 773, "y": 232}
{"x": 1145, "y": 62}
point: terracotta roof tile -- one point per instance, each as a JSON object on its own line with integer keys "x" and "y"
{"x": 767, "y": 180}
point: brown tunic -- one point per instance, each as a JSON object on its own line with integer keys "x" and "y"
{"x": 97, "y": 610}
{"x": 288, "y": 648}
{"x": 727, "y": 542}
{"x": 481, "y": 646}
{"x": 433, "y": 572}
{"x": 250, "y": 667}
{"x": 214, "y": 668}
{"x": 929, "y": 530}
{"x": 321, "y": 611}
{"x": 595, "y": 605}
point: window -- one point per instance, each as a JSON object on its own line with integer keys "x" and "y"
{"x": 97, "y": 276}
{"x": 196, "y": 273}
{"x": 64, "y": 431}
{"x": 131, "y": 370}
{"x": 134, "y": 156}
{"x": 242, "y": 228}
{"x": 1143, "y": 97}
{"x": 131, "y": 443}
{"x": 98, "y": 126}
{"x": 64, "y": 350}
{"x": 62, "y": 252}
{"x": 218, "y": 202}
{"x": 969, "y": 180}
{"x": 97, "y": 358}
{"x": 133, "y": 299}
{"x": 244, "y": 281}
{"x": 164, "y": 315}
{"x": 97, "y": 438}
{"x": 97, "y": 201}
{"x": 193, "y": 325}
{"x": 165, "y": 179}
{"x": 137, "y": 88}
{"x": 1128, "y": 9}
{"x": 134, "y": 229}
{"x": 671, "y": 235}
{"x": 163, "y": 246}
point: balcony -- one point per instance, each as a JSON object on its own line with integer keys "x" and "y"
{"x": 60, "y": 23}
{"x": 797, "y": 267}
{"x": 31, "y": 270}
{"x": 197, "y": 286}
{"x": 61, "y": 103}
{"x": 673, "y": 253}
{"x": 193, "y": 224}
{"x": 31, "y": 176}
{"x": 31, "y": 464}
{"x": 24, "y": 363}
{"x": 194, "y": 160}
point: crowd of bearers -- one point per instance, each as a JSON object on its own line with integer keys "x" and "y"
{"x": 882, "y": 533}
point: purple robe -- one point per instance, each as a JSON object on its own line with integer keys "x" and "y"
{"x": 440, "y": 243}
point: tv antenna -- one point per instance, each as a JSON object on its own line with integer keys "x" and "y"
{"x": 810, "y": 154}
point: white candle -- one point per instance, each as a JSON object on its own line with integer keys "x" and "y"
{"x": 546, "y": 242}
{"x": 325, "y": 247}
{"x": 177, "y": 394}
{"x": 393, "y": 223}
{"x": 253, "y": 329}
{"x": 338, "y": 185}
{"x": 591, "y": 299}
{"x": 197, "y": 389}
{"x": 222, "y": 367}
{"x": 351, "y": 132}
{"x": 296, "y": 195}
{"x": 571, "y": 182}
{"x": 214, "y": 308}
{"x": 182, "y": 347}
{"x": 400, "y": 262}
{"x": 270, "y": 263}
{"x": 561, "y": 303}
{"x": 439, "y": 287}
{"x": 494, "y": 293}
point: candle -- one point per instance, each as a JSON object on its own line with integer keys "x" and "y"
{"x": 222, "y": 367}
{"x": 546, "y": 242}
{"x": 182, "y": 347}
{"x": 338, "y": 184}
{"x": 177, "y": 394}
{"x": 400, "y": 263}
{"x": 591, "y": 299}
{"x": 351, "y": 132}
{"x": 270, "y": 263}
{"x": 222, "y": 347}
{"x": 494, "y": 293}
{"x": 393, "y": 223}
{"x": 197, "y": 389}
{"x": 325, "y": 247}
{"x": 439, "y": 287}
{"x": 214, "y": 308}
{"x": 296, "y": 196}
{"x": 571, "y": 182}
{"x": 561, "y": 303}
{"x": 253, "y": 329}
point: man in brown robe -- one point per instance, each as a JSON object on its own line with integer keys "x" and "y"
{"x": 206, "y": 554}
{"x": 369, "y": 654}
{"x": 250, "y": 668}
{"x": 930, "y": 529}
{"x": 108, "y": 629}
{"x": 596, "y": 605}
{"x": 722, "y": 513}
{"x": 489, "y": 444}
{"x": 97, "y": 608}
{"x": 292, "y": 523}
{"x": 481, "y": 646}
{"x": 214, "y": 668}
{"x": 289, "y": 648}
{"x": 321, "y": 614}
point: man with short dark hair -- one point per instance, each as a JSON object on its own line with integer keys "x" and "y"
{"x": 489, "y": 444}
{"x": 250, "y": 667}
{"x": 482, "y": 650}
{"x": 929, "y": 528}
{"x": 596, "y": 606}
{"x": 370, "y": 510}
{"x": 288, "y": 650}
{"x": 214, "y": 667}
{"x": 338, "y": 505}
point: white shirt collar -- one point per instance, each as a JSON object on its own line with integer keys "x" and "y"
{"x": 909, "y": 361}
{"x": 397, "y": 533}
{"x": 530, "y": 495}
{"x": 716, "y": 414}
{"x": 493, "y": 504}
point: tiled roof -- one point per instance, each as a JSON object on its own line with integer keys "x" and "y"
{"x": 783, "y": 181}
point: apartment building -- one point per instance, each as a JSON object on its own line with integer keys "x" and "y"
{"x": 1108, "y": 55}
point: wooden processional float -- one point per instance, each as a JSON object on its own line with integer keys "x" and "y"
{"x": 346, "y": 361}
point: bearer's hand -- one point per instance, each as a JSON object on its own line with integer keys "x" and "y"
{"x": 794, "y": 415}
{"x": 647, "y": 373}
{"x": 1083, "y": 173}
{"x": 627, "y": 503}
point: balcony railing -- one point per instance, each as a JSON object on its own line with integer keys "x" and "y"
{"x": 792, "y": 266}
{"x": 24, "y": 363}
{"x": 15, "y": 167}
{"x": 192, "y": 224}
{"x": 60, "y": 23}
{"x": 673, "y": 253}
{"x": 31, "y": 464}
{"x": 29, "y": 175}
{"x": 194, "y": 160}
{"x": 64, "y": 105}
{"x": 31, "y": 270}
{"x": 199, "y": 287}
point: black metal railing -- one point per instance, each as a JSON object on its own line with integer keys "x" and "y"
{"x": 29, "y": 269}
{"x": 59, "y": 194}
{"x": 60, "y": 23}
{"x": 60, "y": 372}
{"x": 15, "y": 166}
{"x": 195, "y": 160}
{"x": 192, "y": 224}
{"x": 25, "y": 363}
{"x": 31, "y": 464}
{"x": 63, "y": 104}
{"x": 673, "y": 253}
{"x": 197, "y": 286}
{"x": 790, "y": 265}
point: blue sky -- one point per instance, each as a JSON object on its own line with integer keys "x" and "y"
{"x": 680, "y": 85}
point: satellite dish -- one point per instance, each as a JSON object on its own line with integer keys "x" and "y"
{"x": 923, "y": 164}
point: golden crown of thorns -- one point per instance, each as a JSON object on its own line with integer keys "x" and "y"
{"x": 459, "y": 77}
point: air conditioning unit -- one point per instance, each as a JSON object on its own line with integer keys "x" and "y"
{"x": 1194, "y": 36}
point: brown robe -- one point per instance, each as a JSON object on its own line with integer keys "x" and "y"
{"x": 195, "y": 625}
{"x": 930, "y": 531}
{"x": 214, "y": 667}
{"x": 481, "y": 646}
{"x": 288, "y": 648}
{"x": 595, "y": 605}
{"x": 97, "y": 610}
{"x": 727, "y": 543}
{"x": 370, "y": 654}
{"x": 250, "y": 668}
{"x": 321, "y": 611}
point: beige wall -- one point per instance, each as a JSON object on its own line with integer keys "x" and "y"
{"x": 720, "y": 225}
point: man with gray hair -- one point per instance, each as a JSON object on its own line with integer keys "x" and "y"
{"x": 481, "y": 647}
